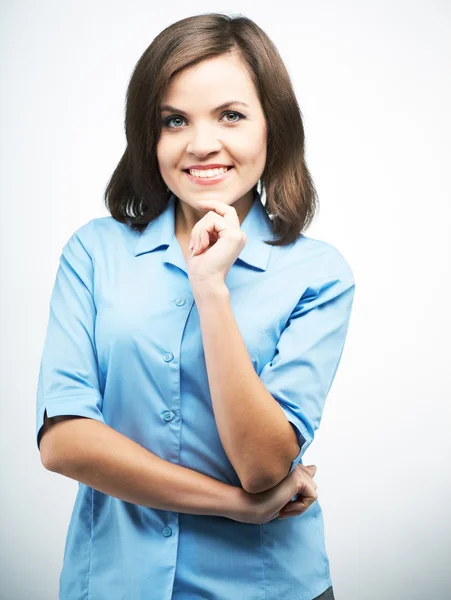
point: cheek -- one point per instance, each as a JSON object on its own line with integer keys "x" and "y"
{"x": 252, "y": 148}
{"x": 164, "y": 154}
{"x": 256, "y": 154}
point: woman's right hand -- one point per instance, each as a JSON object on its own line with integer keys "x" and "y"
{"x": 265, "y": 506}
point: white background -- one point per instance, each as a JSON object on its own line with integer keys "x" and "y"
{"x": 373, "y": 83}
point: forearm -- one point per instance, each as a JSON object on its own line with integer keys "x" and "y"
{"x": 256, "y": 435}
{"x": 102, "y": 458}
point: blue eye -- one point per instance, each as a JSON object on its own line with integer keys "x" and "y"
{"x": 166, "y": 122}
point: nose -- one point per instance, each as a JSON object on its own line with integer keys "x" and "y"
{"x": 203, "y": 142}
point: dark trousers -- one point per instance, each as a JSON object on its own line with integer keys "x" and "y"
{"x": 327, "y": 595}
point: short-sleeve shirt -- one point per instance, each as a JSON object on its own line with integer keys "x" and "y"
{"x": 123, "y": 346}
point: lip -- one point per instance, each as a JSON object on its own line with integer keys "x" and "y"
{"x": 209, "y": 181}
{"x": 205, "y": 167}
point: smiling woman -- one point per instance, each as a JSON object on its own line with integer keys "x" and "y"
{"x": 212, "y": 89}
{"x": 212, "y": 136}
{"x": 182, "y": 390}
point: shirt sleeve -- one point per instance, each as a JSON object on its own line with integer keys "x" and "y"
{"x": 68, "y": 381}
{"x": 308, "y": 353}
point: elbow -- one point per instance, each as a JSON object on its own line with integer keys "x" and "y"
{"x": 50, "y": 461}
{"x": 47, "y": 454}
{"x": 50, "y": 442}
{"x": 54, "y": 463}
{"x": 46, "y": 463}
{"x": 279, "y": 472}
{"x": 256, "y": 487}
{"x": 264, "y": 483}
{"x": 47, "y": 460}
{"x": 43, "y": 444}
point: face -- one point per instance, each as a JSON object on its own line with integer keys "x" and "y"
{"x": 201, "y": 126}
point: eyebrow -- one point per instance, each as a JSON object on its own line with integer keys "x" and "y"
{"x": 224, "y": 105}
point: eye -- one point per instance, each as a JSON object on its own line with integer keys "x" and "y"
{"x": 166, "y": 122}
{"x": 233, "y": 112}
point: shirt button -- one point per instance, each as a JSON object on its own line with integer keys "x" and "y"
{"x": 180, "y": 301}
{"x": 168, "y": 415}
{"x": 168, "y": 356}
{"x": 167, "y": 531}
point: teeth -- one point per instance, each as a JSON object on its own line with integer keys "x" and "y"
{"x": 208, "y": 173}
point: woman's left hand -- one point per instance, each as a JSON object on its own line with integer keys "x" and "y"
{"x": 217, "y": 240}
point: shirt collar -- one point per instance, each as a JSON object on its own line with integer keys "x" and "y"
{"x": 256, "y": 225}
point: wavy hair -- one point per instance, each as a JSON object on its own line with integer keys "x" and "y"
{"x": 136, "y": 193}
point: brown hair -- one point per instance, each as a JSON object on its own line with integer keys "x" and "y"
{"x": 136, "y": 193}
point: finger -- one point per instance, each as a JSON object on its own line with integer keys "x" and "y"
{"x": 310, "y": 473}
{"x": 305, "y": 499}
{"x": 308, "y": 496}
{"x": 306, "y": 489}
{"x": 310, "y": 469}
{"x": 304, "y": 467}
{"x": 196, "y": 241}
{"x": 297, "y": 508}
{"x": 204, "y": 240}
{"x": 294, "y": 513}
{"x": 212, "y": 223}
{"x": 221, "y": 208}
{"x": 201, "y": 243}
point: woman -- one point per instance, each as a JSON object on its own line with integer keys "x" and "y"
{"x": 193, "y": 337}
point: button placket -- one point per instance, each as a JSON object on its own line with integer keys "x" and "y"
{"x": 178, "y": 302}
{"x": 169, "y": 415}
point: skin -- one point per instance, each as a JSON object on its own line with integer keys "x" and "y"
{"x": 202, "y": 137}
{"x": 209, "y": 217}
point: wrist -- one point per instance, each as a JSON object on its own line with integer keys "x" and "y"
{"x": 211, "y": 290}
{"x": 236, "y": 506}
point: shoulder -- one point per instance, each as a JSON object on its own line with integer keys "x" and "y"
{"x": 100, "y": 226}
{"x": 101, "y": 232}
{"x": 319, "y": 260}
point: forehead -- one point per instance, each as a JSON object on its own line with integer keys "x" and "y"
{"x": 208, "y": 82}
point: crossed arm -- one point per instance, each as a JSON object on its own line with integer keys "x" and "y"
{"x": 255, "y": 433}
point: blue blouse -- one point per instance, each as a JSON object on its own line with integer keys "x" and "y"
{"x": 123, "y": 346}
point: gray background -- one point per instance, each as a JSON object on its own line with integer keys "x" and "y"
{"x": 373, "y": 83}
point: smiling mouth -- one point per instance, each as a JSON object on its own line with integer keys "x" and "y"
{"x": 207, "y": 177}
{"x": 216, "y": 179}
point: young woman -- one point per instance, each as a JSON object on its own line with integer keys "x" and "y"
{"x": 193, "y": 337}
